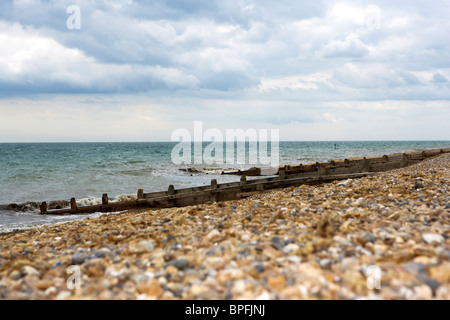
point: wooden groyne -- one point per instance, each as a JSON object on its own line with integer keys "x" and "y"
{"x": 287, "y": 176}
{"x": 350, "y": 165}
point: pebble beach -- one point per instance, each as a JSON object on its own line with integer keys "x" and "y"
{"x": 385, "y": 236}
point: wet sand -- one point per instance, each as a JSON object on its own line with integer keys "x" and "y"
{"x": 380, "y": 237}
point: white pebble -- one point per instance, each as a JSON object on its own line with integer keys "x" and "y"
{"x": 431, "y": 237}
{"x": 263, "y": 296}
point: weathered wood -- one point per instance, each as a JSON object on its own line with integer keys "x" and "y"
{"x": 112, "y": 207}
{"x": 404, "y": 161}
{"x": 105, "y": 199}
{"x": 242, "y": 195}
{"x": 321, "y": 170}
{"x": 215, "y": 196}
{"x": 140, "y": 194}
{"x": 365, "y": 165}
{"x": 352, "y": 162}
{"x": 73, "y": 204}
{"x": 43, "y": 207}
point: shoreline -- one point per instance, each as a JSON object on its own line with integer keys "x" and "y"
{"x": 308, "y": 242}
{"x": 6, "y": 231}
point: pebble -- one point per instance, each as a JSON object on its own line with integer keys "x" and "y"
{"x": 325, "y": 264}
{"x": 422, "y": 292}
{"x": 263, "y": 296}
{"x": 180, "y": 264}
{"x": 418, "y": 185}
{"x": 433, "y": 238}
{"x": 239, "y": 287}
{"x": 276, "y": 282}
{"x": 345, "y": 183}
{"x": 259, "y": 267}
{"x": 295, "y": 259}
{"x": 291, "y": 247}
{"x": 29, "y": 271}
{"x": 441, "y": 273}
{"x": 63, "y": 295}
{"x": 417, "y": 269}
{"x": 146, "y": 245}
{"x": 214, "y": 235}
{"x": 306, "y": 242}
{"x": 433, "y": 284}
{"x": 79, "y": 258}
{"x": 15, "y": 275}
{"x": 57, "y": 265}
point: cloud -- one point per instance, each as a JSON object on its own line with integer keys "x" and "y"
{"x": 298, "y": 57}
{"x": 351, "y": 47}
{"x": 6, "y": 9}
{"x": 439, "y": 78}
{"x": 41, "y": 64}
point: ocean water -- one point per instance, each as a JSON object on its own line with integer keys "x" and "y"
{"x": 55, "y": 172}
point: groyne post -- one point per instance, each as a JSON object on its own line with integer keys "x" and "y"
{"x": 321, "y": 170}
{"x": 43, "y": 207}
{"x": 365, "y": 165}
{"x": 105, "y": 199}
{"x": 404, "y": 161}
{"x": 214, "y": 186}
{"x": 73, "y": 204}
{"x": 243, "y": 180}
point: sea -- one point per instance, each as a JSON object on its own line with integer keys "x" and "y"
{"x": 31, "y": 173}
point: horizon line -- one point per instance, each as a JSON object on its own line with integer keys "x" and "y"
{"x": 224, "y": 141}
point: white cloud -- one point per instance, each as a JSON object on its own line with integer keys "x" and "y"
{"x": 345, "y": 13}
{"x": 27, "y": 58}
{"x": 351, "y": 47}
{"x": 309, "y": 82}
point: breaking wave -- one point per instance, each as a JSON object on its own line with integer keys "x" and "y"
{"x": 33, "y": 206}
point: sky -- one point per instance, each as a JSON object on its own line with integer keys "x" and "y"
{"x": 134, "y": 70}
